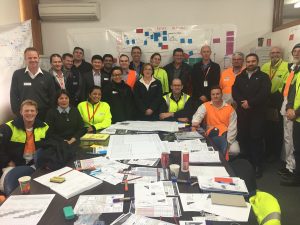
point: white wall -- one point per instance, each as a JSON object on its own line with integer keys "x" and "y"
{"x": 9, "y": 12}
{"x": 252, "y": 18}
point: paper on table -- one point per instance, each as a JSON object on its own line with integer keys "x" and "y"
{"x": 187, "y": 144}
{"x": 20, "y": 208}
{"x": 100, "y": 162}
{"x": 171, "y": 188}
{"x": 144, "y": 162}
{"x": 75, "y": 183}
{"x": 195, "y": 202}
{"x": 133, "y": 219}
{"x": 197, "y": 222}
{"x": 143, "y": 146}
{"x": 146, "y": 126}
{"x": 216, "y": 171}
{"x": 210, "y": 217}
{"x": 147, "y": 195}
{"x": 93, "y": 204}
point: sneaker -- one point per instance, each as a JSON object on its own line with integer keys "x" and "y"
{"x": 291, "y": 181}
{"x": 284, "y": 171}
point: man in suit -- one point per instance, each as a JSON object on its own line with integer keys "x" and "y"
{"x": 95, "y": 77}
{"x": 32, "y": 83}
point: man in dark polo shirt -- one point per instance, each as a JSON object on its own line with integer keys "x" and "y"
{"x": 79, "y": 62}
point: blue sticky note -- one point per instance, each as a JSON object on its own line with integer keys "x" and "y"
{"x": 147, "y": 33}
{"x": 182, "y": 40}
{"x": 155, "y": 38}
{"x": 190, "y": 40}
{"x": 133, "y": 41}
{"x": 151, "y": 36}
{"x": 165, "y": 32}
{"x": 191, "y": 53}
{"x": 159, "y": 44}
{"x": 145, "y": 42}
{"x": 156, "y": 34}
{"x": 165, "y": 38}
{"x": 127, "y": 42}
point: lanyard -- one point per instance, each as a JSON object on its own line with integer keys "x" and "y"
{"x": 207, "y": 71}
{"x": 94, "y": 111}
{"x": 273, "y": 72}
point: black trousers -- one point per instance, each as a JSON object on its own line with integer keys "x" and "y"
{"x": 296, "y": 140}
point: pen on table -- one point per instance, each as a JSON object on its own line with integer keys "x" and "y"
{"x": 65, "y": 172}
{"x": 125, "y": 185}
{"x": 126, "y": 199}
{"x": 134, "y": 178}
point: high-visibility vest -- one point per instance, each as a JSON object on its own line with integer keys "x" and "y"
{"x": 297, "y": 97}
{"x": 217, "y": 117}
{"x": 266, "y": 208}
{"x": 175, "y": 106}
{"x": 19, "y": 135}
{"x": 227, "y": 80}
{"x": 131, "y": 79}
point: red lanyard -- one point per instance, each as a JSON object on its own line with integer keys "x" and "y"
{"x": 94, "y": 111}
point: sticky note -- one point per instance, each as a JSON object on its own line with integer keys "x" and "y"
{"x": 139, "y": 30}
{"x": 229, "y": 38}
{"x": 147, "y": 33}
{"x": 164, "y": 47}
{"x": 229, "y": 33}
{"x": 291, "y": 37}
{"x": 145, "y": 42}
{"x": 165, "y": 32}
{"x": 133, "y": 41}
{"x": 69, "y": 213}
{"x": 165, "y": 38}
{"x": 216, "y": 40}
{"x": 151, "y": 36}
{"x": 190, "y": 40}
{"x": 159, "y": 44}
{"x": 191, "y": 53}
{"x": 127, "y": 42}
{"x": 155, "y": 38}
{"x": 182, "y": 40}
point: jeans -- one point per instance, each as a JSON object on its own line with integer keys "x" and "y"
{"x": 219, "y": 141}
{"x": 11, "y": 179}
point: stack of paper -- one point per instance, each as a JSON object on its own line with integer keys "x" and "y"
{"x": 94, "y": 137}
{"x": 146, "y": 126}
{"x": 97, "y": 204}
{"x": 188, "y": 135}
{"x": 24, "y": 209}
{"x": 233, "y": 185}
{"x": 215, "y": 171}
{"x": 75, "y": 182}
{"x": 148, "y": 175}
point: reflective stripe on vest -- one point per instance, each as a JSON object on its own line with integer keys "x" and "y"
{"x": 172, "y": 105}
{"x": 19, "y": 135}
{"x": 271, "y": 216}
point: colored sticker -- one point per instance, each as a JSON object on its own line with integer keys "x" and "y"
{"x": 145, "y": 42}
{"x": 191, "y": 53}
{"x": 165, "y": 38}
{"x": 269, "y": 42}
{"x": 190, "y": 40}
{"x": 159, "y": 44}
{"x": 147, "y": 33}
{"x": 216, "y": 40}
{"x": 229, "y": 33}
{"x": 182, "y": 40}
{"x": 229, "y": 38}
{"x": 127, "y": 42}
{"x": 291, "y": 37}
{"x": 155, "y": 38}
{"x": 151, "y": 36}
{"x": 139, "y": 31}
{"x": 165, "y": 32}
{"x": 229, "y": 48}
{"x": 164, "y": 47}
{"x": 133, "y": 41}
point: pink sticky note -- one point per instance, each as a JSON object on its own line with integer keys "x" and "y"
{"x": 229, "y": 33}
{"x": 216, "y": 40}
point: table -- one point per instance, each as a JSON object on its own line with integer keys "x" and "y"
{"x": 54, "y": 213}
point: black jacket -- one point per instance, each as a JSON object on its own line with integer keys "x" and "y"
{"x": 185, "y": 76}
{"x": 256, "y": 91}
{"x": 84, "y": 67}
{"x": 88, "y": 82}
{"x": 74, "y": 85}
{"x": 199, "y": 76}
{"x": 40, "y": 89}
{"x": 121, "y": 101}
{"x": 147, "y": 99}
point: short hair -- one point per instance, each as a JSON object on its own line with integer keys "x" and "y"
{"x": 136, "y": 47}
{"x": 55, "y": 55}
{"x": 254, "y": 55}
{"x": 205, "y": 46}
{"x": 97, "y": 57}
{"x": 95, "y": 87}
{"x": 108, "y": 56}
{"x": 65, "y": 55}
{"x": 31, "y": 49}
{"x": 155, "y": 54}
{"x": 122, "y": 55}
{"x": 116, "y": 68}
{"x": 61, "y": 92}
{"x": 78, "y": 48}
{"x": 143, "y": 67}
{"x": 238, "y": 54}
{"x": 29, "y": 102}
{"x": 177, "y": 50}
{"x": 214, "y": 87}
{"x": 176, "y": 79}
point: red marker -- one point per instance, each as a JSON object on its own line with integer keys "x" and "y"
{"x": 125, "y": 185}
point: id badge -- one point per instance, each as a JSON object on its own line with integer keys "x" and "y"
{"x": 205, "y": 83}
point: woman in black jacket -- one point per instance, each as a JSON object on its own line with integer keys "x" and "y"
{"x": 147, "y": 94}
{"x": 65, "y": 122}
{"x": 119, "y": 96}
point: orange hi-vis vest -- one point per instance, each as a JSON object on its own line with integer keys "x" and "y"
{"x": 288, "y": 83}
{"x": 217, "y": 117}
{"x": 131, "y": 78}
{"x": 227, "y": 80}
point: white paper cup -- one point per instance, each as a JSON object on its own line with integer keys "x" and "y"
{"x": 174, "y": 169}
{"x": 25, "y": 184}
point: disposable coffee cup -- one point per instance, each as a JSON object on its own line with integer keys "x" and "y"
{"x": 25, "y": 184}
{"x": 174, "y": 169}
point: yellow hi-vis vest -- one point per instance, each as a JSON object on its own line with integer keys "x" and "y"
{"x": 19, "y": 135}
{"x": 297, "y": 97}
{"x": 266, "y": 208}
{"x": 176, "y": 106}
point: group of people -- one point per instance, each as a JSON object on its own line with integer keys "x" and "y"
{"x": 244, "y": 104}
